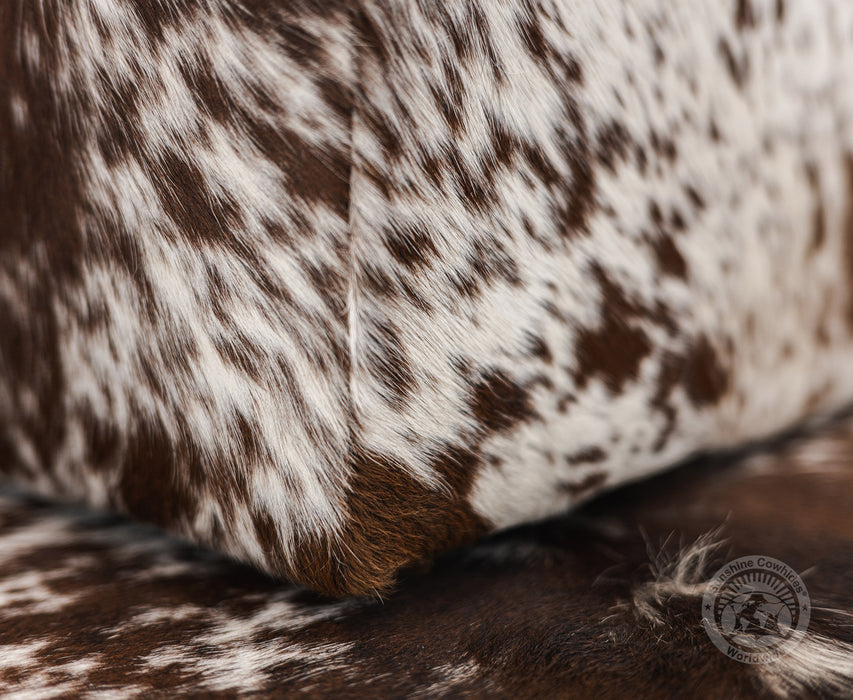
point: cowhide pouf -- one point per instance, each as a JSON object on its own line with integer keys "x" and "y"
{"x": 336, "y": 286}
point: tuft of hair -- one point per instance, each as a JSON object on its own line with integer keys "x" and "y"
{"x": 818, "y": 664}
{"x": 683, "y": 574}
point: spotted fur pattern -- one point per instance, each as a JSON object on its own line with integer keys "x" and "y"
{"x": 94, "y": 606}
{"x": 335, "y": 286}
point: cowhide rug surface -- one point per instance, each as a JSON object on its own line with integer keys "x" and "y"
{"x": 604, "y": 603}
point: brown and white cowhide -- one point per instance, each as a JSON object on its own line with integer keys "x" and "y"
{"x": 336, "y": 286}
{"x": 94, "y": 606}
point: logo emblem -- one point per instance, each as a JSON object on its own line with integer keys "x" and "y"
{"x": 755, "y": 609}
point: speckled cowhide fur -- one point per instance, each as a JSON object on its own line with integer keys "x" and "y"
{"x": 335, "y": 286}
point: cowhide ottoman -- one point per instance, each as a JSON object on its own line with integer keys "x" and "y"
{"x": 366, "y": 313}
